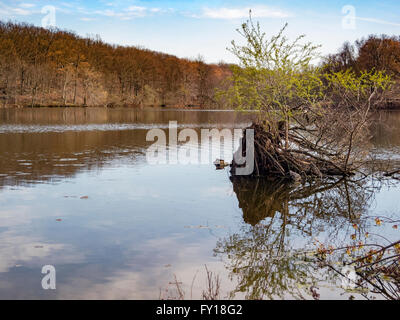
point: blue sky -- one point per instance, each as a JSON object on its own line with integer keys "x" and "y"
{"x": 190, "y": 28}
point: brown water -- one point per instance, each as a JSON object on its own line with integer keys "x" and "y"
{"x": 139, "y": 225}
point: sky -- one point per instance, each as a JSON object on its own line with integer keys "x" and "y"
{"x": 188, "y": 29}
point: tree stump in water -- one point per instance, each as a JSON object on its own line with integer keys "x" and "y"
{"x": 271, "y": 159}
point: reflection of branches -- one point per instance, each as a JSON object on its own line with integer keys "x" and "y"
{"x": 175, "y": 290}
{"x": 378, "y": 270}
{"x": 302, "y": 205}
{"x": 263, "y": 256}
{"x": 213, "y": 288}
{"x": 262, "y": 268}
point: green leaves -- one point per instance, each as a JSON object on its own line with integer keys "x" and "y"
{"x": 274, "y": 74}
{"x": 349, "y": 80}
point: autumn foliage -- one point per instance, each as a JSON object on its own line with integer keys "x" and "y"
{"x": 374, "y": 52}
{"x": 379, "y": 53}
{"x": 53, "y": 67}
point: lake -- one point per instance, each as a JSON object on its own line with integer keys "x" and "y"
{"x": 77, "y": 192}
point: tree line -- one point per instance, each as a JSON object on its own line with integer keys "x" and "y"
{"x": 373, "y": 53}
{"x": 52, "y": 67}
{"x": 58, "y": 68}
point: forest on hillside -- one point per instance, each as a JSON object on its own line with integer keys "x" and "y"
{"x": 58, "y": 68}
{"x": 373, "y": 53}
{"x": 52, "y": 67}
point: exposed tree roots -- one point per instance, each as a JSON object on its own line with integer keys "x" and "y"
{"x": 271, "y": 159}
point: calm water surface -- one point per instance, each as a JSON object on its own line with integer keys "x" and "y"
{"x": 77, "y": 192}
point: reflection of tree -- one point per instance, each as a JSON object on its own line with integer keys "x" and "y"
{"x": 47, "y": 144}
{"x": 386, "y": 131}
{"x": 263, "y": 268}
{"x": 29, "y": 158}
{"x": 264, "y": 256}
{"x": 303, "y": 205}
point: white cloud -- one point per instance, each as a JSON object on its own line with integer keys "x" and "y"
{"x": 129, "y": 12}
{"x": 238, "y": 13}
{"x": 17, "y": 247}
{"x": 87, "y": 19}
{"x": 136, "y": 9}
{"x": 22, "y": 10}
{"x": 150, "y": 280}
{"x": 108, "y": 13}
{"x": 27, "y": 5}
{"x": 373, "y": 20}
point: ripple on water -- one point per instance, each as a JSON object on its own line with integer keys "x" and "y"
{"x": 15, "y": 128}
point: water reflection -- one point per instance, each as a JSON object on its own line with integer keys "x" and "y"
{"x": 142, "y": 224}
{"x": 268, "y": 257}
{"x": 342, "y": 198}
{"x": 39, "y": 157}
{"x": 51, "y": 144}
{"x": 117, "y": 242}
{"x": 87, "y": 116}
{"x": 387, "y": 131}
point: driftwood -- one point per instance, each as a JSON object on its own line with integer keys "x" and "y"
{"x": 271, "y": 159}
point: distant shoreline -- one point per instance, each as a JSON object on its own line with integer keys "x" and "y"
{"x": 387, "y": 107}
{"x": 194, "y": 107}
